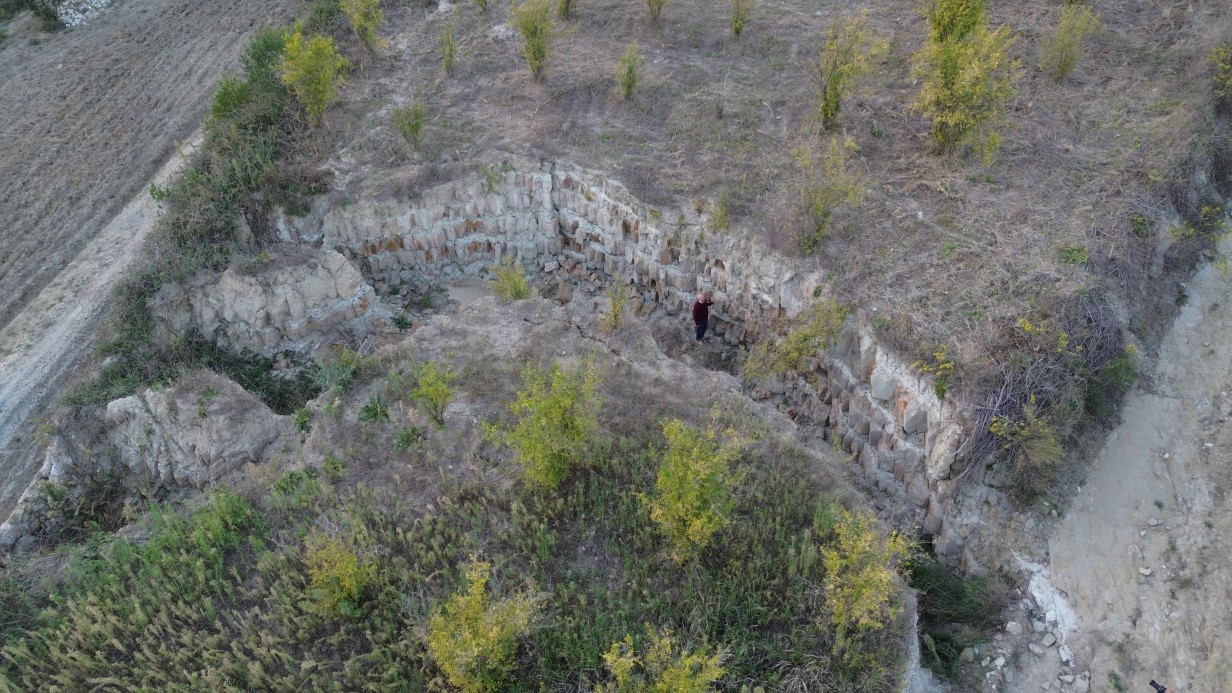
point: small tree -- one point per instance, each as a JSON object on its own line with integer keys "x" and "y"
{"x": 741, "y": 11}
{"x": 827, "y": 181}
{"x": 813, "y": 332}
{"x": 1220, "y": 60}
{"x": 365, "y": 17}
{"x": 968, "y": 77}
{"x": 618, "y": 298}
{"x": 473, "y": 639}
{"x": 628, "y": 71}
{"x": 557, "y": 414}
{"x": 432, "y": 390}
{"x": 1060, "y": 53}
{"x": 860, "y": 575}
{"x": 655, "y": 8}
{"x": 410, "y": 121}
{"x": 533, "y": 21}
{"x": 844, "y": 58}
{"x": 313, "y": 69}
{"x": 693, "y": 491}
{"x": 449, "y": 48}
{"x": 337, "y": 575}
{"x": 662, "y": 668}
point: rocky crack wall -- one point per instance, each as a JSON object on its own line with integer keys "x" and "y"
{"x": 578, "y": 227}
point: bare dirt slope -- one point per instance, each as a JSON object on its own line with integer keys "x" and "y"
{"x": 1142, "y": 553}
{"x": 87, "y": 115}
{"x": 40, "y": 346}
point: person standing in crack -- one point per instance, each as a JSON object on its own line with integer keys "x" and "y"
{"x": 701, "y": 314}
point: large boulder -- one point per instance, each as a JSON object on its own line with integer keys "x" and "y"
{"x": 194, "y": 433}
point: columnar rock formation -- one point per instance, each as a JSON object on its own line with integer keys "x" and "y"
{"x": 579, "y": 227}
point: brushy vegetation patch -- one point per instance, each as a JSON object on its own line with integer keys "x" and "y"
{"x": 954, "y": 613}
{"x": 326, "y": 581}
{"x": 46, "y": 11}
{"x": 235, "y": 178}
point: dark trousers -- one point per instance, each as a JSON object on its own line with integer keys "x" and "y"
{"x": 701, "y": 329}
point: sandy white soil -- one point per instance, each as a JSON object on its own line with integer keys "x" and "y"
{"x": 1142, "y": 555}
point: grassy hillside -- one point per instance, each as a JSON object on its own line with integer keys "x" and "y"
{"x": 337, "y": 575}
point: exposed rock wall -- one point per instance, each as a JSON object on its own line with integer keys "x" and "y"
{"x": 289, "y": 306}
{"x": 192, "y": 435}
{"x": 580, "y": 227}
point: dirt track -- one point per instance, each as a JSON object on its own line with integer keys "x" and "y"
{"x": 88, "y": 115}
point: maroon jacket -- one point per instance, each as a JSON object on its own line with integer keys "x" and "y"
{"x": 701, "y": 311}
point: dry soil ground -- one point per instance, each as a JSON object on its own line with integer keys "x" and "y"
{"x": 87, "y": 116}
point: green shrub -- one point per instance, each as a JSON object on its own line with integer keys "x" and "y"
{"x": 410, "y": 121}
{"x": 313, "y": 69}
{"x": 628, "y": 71}
{"x": 232, "y": 95}
{"x": 303, "y": 420}
{"x": 1074, "y": 255}
{"x": 557, "y": 413}
{"x": 482, "y": 5}
{"x": 473, "y": 639}
{"x": 618, "y": 299}
{"x": 337, "y": 372}
{"x": 337, "y": 575}
{"x": 968, "y": 77}
{"x": 510, "y": 283}
{"x": 654, "y": 8}
{"x": 741, "y": 11}
{"x": 296, "y": 490}
{"x": 1031, "y": 444}
{"x": 860, "y": 575}
{"x": 843, "y": 59}
{"x": 953, "y": 612}
{"x": 1060, "y": 53}
{"x": 720, "y": 219}
{"x": 828, "y": 181}
{"x": 1220, "y": 60}
{"x": 813, "y": 332}
{"x": 564, "y": 9}
{"x": 694, "y": 488}
{"x": 432, "y": 390}
{"x": 533, "y": 21}
{"x": 365, "y": 17}
{"x": 941, "y": 367}
{"x": 47, "y": 12}
{"x": 375, "y": 411}
{"x": 662, "y": 667}
{"x": 449, "y": 47}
